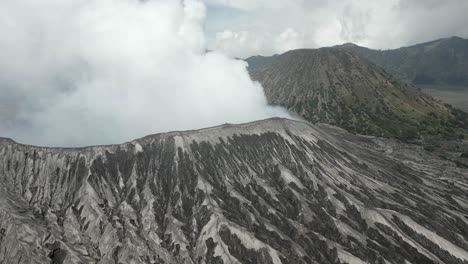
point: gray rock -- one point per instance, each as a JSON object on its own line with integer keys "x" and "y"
{"x": 273, "y": 191}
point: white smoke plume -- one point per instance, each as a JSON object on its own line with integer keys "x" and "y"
{"x": 81, "y": 72}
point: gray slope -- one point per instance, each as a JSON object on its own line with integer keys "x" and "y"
{"x": 273, "y": 191}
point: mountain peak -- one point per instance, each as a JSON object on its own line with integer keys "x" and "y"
{"x": 340, "y": 87}
{"x": 456, "y": 38}
{"x": 347, "y": 45}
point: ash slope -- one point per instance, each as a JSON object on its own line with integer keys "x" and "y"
{"x": 273, "y": 191}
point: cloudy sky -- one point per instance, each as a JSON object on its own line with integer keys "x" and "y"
{"x": 81, "y": 72}
{"x": 246, "y": 27}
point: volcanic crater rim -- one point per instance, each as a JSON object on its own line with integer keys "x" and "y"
{"x": 278, "y": 121}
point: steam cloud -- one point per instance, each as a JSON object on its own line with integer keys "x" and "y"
{"x": 81, "y": 72}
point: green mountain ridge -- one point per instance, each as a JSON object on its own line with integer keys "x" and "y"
{"x": 438, "y": 62}
{"x": 339, "y": 87}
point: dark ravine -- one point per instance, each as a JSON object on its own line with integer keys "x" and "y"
{"x": 273, "y": 191}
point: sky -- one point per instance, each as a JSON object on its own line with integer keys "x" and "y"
{"x": 87, "y": 72}
{"x": 243, "y": 28}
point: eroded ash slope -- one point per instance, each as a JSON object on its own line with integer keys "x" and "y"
{"x": 273, "y": 191}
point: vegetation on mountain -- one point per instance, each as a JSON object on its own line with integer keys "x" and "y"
{"x": 341, "y": 88}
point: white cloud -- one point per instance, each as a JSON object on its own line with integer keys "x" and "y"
{"x": 354, "y": 21}
{"x": 94, "y": 72}
{"x": 288, "y": 40}
{"x": 375, "y": 23}
{"x": 254, "y": 5}
{"x": 242, "y": 44}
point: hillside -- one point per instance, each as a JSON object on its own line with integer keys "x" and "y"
{"x": 339, "y": 87}
{"x": 269, "y": 192}
{"x": 442, "y": 62}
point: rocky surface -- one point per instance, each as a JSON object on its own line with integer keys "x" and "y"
{"x": 273, "y": 191}
{"x": 339, "y": 87}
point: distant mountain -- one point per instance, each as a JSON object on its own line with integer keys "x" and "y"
{"x": 269, "y": 192}
{"x": 339, "y": 87}
{"x": 439, "y": 62}
{"x": 259, "y": 62}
